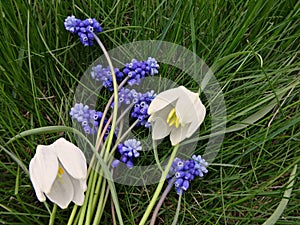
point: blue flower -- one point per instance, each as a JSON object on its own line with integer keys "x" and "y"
{"x": 83, "y": 28}
{"x": 125, "y": 96}
{"x": 136, "y": 70}
{"x": 100, "y": 73}
{"x": 86, "y": 117}
{"x": 185, "y": 171}
{"x": 153, "y": 66}
{"x": 71, "y": 24}
{"x": 140, "y": 110}
{"x": 129, "y": 150}
{"x": 89, "y": 119}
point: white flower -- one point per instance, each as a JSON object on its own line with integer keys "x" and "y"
{"x": 59, "y": 171}
{"x": 178, "y": 112}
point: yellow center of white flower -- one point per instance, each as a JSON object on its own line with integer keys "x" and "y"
{"x": 60, "y": 172}
{"x": 173, "y": 118}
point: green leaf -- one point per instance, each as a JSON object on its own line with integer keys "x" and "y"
{"x": 285, "y": 199}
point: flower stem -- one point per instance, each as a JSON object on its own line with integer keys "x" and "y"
{"x": 161, "y": 200}
{"x": 108, "y": 142}
{"x": 178, "y": 209}
{"x": 52, "y": 217}
{"x": 73, "y": 214}
{"x": 115, "y": 85}
{"x": 156, "y": 156}
{"x": 159, "y": 187}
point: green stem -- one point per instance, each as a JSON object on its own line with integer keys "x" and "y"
{"x": 101, "y": 204}
{"x": 159, "y": 186}
{"x": 156, "y": 156}
{"x": 52, "y": 217}
{"x": 110, "y": 156}
{"x": 93, "y": 195}
{"x": 73, "y": 214}
{"x": 161, "y": 200}
{"x": 177, "y": 210}
{"x": 115, "y": 85}
{"x": 83, "y": 208}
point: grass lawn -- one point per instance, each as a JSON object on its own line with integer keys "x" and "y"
{"x": 252, "y": 48}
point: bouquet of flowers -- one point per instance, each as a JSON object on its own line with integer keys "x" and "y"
{"x": 59, "y": 171}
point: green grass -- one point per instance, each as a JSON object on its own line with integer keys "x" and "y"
{"x": 41, "y": 63}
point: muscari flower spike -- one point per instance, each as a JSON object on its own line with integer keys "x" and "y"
{"x": 185, "y": 171}
{"x": 100, "y": 73}
{"x": 140, "y": 102}
{"x": 129, "y": 150}
{"x": 59, "y": 172}
{"x": 135, "y": 71}
{"x": 89, "y": 119}
{"x": 83, "y": 28}
{"x": 140, "y": 110}
{"x": 178, "y": 112}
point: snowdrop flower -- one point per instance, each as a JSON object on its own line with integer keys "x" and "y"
{"x": 178, "y": 112}
{"x": 59, "y": 171}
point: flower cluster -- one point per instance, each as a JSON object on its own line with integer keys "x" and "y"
{"x": 140, "y": 110}
{"x": 129, "y": 150}
{"x": 185, "y": 171}
{"x": 128, "y": 96}
{"x": 89, "y": 119}
{"x": 83, "y": 28}
{"x": 135, "y": 71}
{"x": 100, "y": 73}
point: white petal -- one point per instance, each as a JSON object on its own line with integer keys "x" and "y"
{"x": 162, "y": 100}
{"x": 186, "y": 105}
{"x": 43, "y": 169}
{"x": 179, "y": 134}
{"x": 62, "y": 191}
{"x": 40, "y": 195}
{"x": 72, "y": 158}
{"x": 199, "y": 115}
{"x": 160, "y": 129}
{"x": 79, "y": 189}
{"x": 162, "y": 114}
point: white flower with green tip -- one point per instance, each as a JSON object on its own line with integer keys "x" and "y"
{"x": 59, "y": 171}
{"x": 178, "y": 112}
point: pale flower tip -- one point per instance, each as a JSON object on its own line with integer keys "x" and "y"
{"x": 41, "y": 197}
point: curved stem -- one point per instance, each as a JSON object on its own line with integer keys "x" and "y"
{"x": 115, "y": 85}
{"x": 159, "y": 186}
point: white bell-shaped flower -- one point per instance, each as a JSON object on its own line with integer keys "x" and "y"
{"x": 59, "y": 171}
{"x": 178, "y": 112}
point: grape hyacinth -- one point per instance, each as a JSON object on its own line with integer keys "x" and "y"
{"x": 83, "y": 28}
{"x": 140, "y": 110}
{"x": 89, "y": 119}
{"x": 129, "y": 150}
{"x": 136, "y": 70}
{"x": 140, "y": 101}
{"x": 128, "y": 96}
{"x": 185, "y": 171}
{"x": 100, "y": 73}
